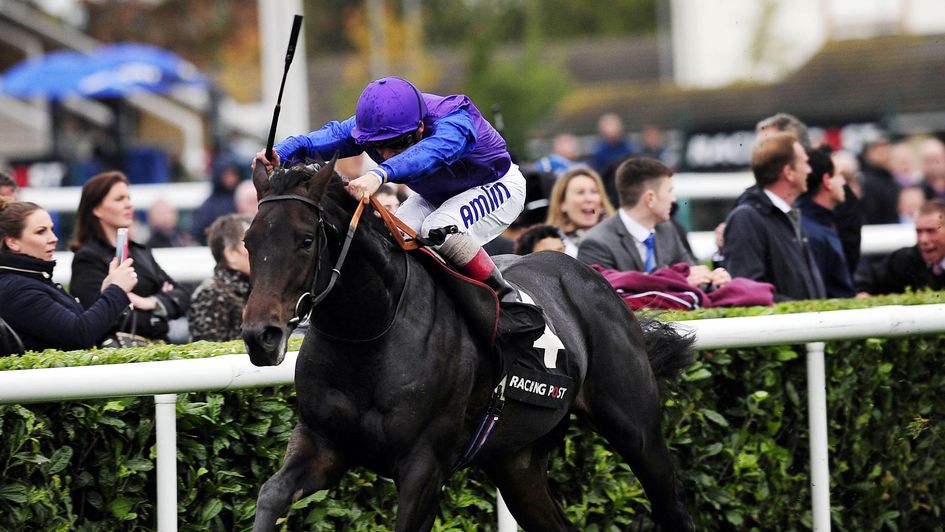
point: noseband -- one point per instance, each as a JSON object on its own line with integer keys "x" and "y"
{"x": 307, "y": 299}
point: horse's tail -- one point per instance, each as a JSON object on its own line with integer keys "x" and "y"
{"x": 670, "y": 352}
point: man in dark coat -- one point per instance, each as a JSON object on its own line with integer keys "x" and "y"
{"x": 848, "y": 215}
{"x": 825, "y": 191}
{"x": 918, "y": 266}
{"x": 763, "y": 238}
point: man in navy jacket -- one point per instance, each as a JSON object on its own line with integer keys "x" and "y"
{"x": 825, "y": 190}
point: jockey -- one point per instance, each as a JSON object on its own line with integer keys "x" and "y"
{"x": 445, "y": 151}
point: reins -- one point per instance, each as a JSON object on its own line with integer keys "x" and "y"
{"x": 396, "y": 226}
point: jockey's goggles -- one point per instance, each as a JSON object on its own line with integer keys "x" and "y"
{"x": 397, "y": 143}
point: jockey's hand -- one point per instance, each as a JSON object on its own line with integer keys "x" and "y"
{"x": 269, "y": 164}
{"x": 364, "y": 186}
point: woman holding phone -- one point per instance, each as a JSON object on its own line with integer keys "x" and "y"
{"x": 41, "y": 313}
{"x": 104, "y": 207}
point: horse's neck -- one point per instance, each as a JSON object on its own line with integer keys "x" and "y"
{"x": 367, "y": 293}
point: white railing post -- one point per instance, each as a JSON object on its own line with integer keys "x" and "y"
{"x": 165, "y": 424}
{"x": 817, "y": 419}
{"x": 506, "y": 521}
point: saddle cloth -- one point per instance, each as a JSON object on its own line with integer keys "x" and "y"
{"x": 538, "y": 362}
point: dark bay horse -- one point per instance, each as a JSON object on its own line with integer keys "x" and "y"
{"x": 391, "y": 377}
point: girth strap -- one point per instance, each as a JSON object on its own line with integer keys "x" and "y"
{"x": 489, "y": 421}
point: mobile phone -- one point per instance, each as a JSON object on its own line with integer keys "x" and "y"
{"x": 121, "y": 245}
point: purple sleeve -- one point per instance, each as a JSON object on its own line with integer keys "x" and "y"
{"x": 453, "y": 137}
{"x": 321, "y": 144}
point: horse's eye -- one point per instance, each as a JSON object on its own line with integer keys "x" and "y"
{"x": 307, "y": 242}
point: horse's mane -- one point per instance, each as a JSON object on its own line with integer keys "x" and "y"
{"x": 286, "y": 181}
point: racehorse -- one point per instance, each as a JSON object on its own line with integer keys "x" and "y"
{"x": 391, "y": 375}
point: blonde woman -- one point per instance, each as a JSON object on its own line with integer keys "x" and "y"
{"x": 578, "y": 202}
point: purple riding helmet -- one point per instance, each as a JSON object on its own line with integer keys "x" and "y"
{"x": 387, "y": 108}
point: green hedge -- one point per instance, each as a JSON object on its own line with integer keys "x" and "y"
{"x": 737, "y": 425}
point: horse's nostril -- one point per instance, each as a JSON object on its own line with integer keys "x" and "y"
{"x": 268, "y": 337}
{"x": 264, "y": 344}
{"x": 271, "y": 336}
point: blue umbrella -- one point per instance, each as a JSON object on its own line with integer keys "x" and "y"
{"x": 118, "y": 69}
{"x": 110, "y": 71}
{"x": 51, "y": 75}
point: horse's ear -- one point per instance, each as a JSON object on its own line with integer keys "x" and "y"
{"x": 261, "y": 179}
{"x": 319, "y": 184}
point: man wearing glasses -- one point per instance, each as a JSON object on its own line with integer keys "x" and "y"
{"x": 445, "y": 151}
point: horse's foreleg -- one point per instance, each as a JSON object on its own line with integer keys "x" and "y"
{"x": 523, "y": 481}
{"x": 309, "y": 466}
{"x": 419, "y": 479}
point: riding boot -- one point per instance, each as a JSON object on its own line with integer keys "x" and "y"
{"x": 502, "y": 288}
{"x": 473, "y": 262}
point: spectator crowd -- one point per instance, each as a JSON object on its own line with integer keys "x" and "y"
{"x": 794, "y": 234}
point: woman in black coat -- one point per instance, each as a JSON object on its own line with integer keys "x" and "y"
{"x": 42, "y": 314}
{"x": 104, "y": 207}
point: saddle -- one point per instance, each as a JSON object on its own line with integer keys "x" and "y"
{"x": 478, "y": 302}
{"x": 516, "y": 331}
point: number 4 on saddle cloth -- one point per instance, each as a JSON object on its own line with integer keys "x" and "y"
{"x": 531, "y": 358}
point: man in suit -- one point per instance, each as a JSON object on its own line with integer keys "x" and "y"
{"x": 918, "y": 266}
{"x": 763, "y": 236}
{"x": 642, "y": 238}
{"x": 848, "y": 215}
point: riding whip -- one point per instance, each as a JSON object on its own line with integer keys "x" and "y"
{"x": 289, "y": 54}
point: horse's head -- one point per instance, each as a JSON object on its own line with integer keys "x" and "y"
{"x": 283, "y": 243}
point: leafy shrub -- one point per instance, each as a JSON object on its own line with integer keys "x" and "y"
{"x": 736, "y": 424}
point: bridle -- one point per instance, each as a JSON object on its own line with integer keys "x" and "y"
{"x": 306, "y": 302}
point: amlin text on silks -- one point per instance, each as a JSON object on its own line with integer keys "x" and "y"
{"x": 492, "y": 196}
